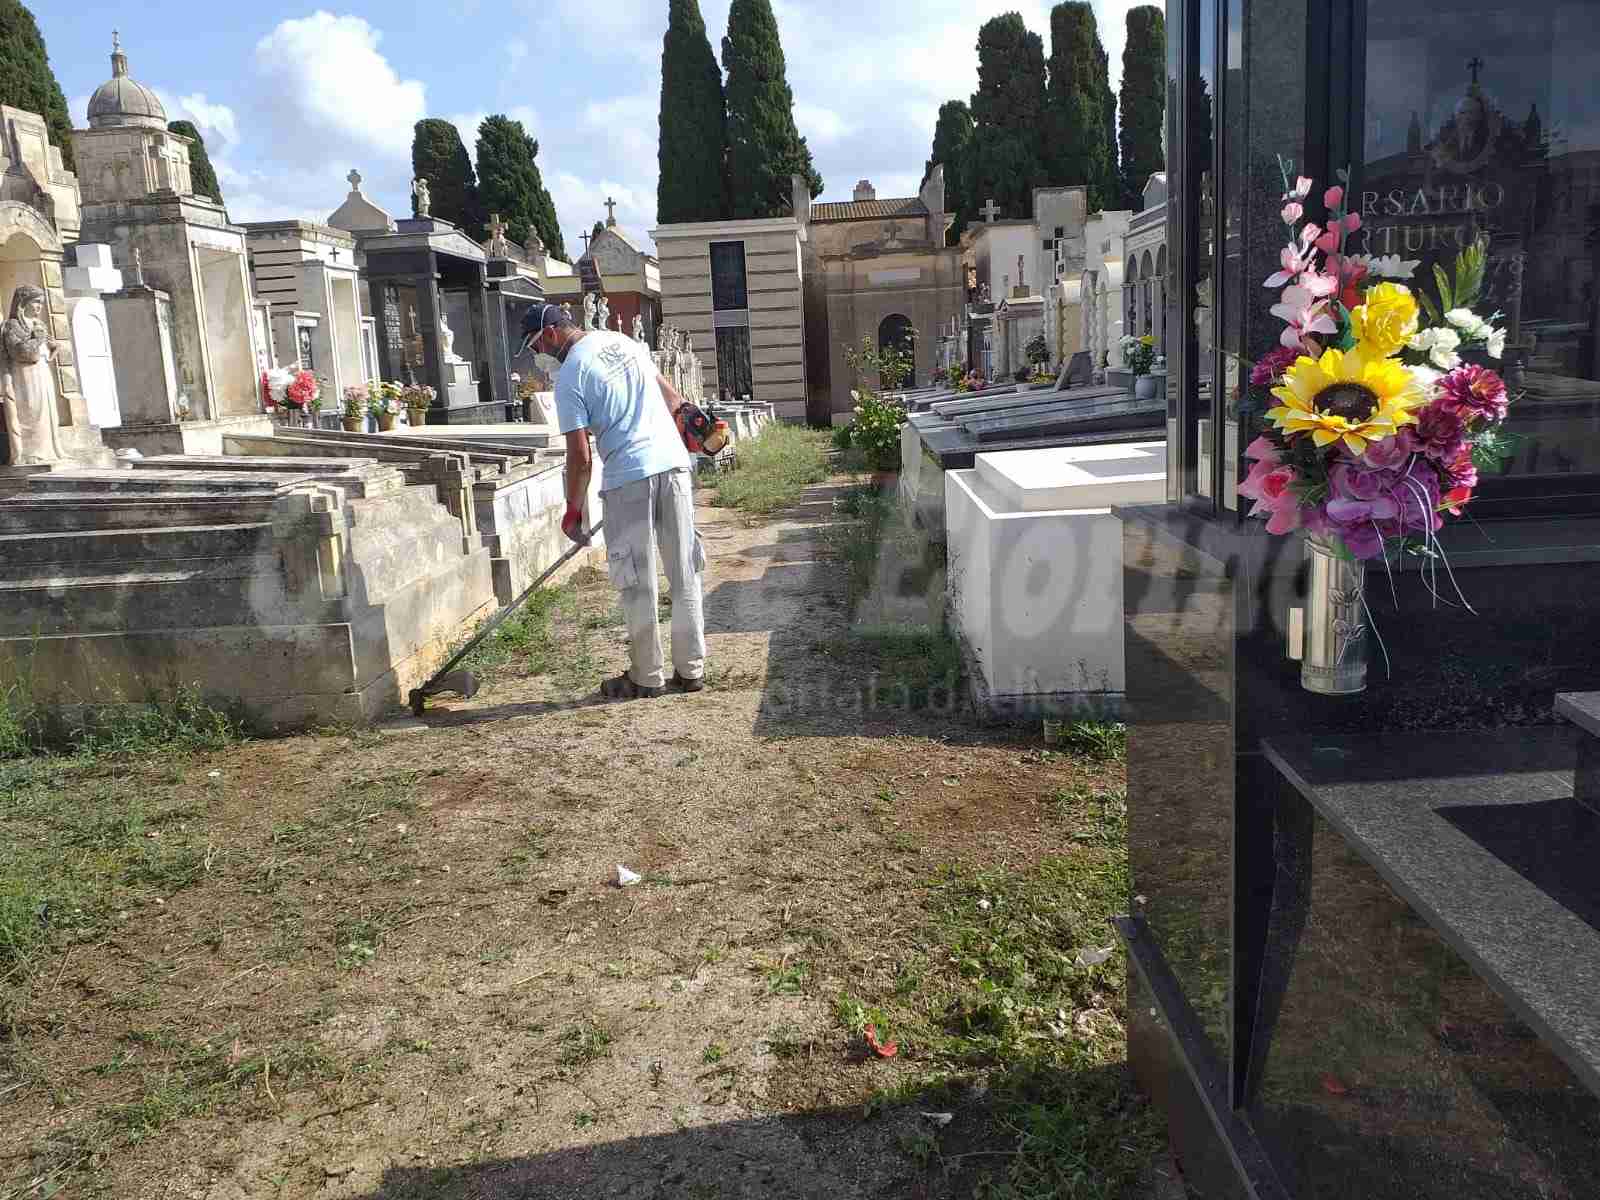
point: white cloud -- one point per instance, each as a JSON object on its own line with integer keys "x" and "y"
{"x": 819, "y": 125}
{"x": 580, "y": 202}
{"x": 516, "y": 51}
{"x": 217, "y": 123}
{"x": 78, "y": 110}
{"x": 323, "y": 84}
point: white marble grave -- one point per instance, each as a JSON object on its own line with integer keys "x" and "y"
{"x": 1035, "y": 575}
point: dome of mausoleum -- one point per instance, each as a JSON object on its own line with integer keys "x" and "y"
{"x": 122, "y": 100}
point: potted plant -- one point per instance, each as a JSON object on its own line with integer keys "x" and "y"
{"x": 355, "y": 409}
{"x": 417, "y": 398}
{"x": 383, "y": 402}
{"x": 1139, "y": 354}
{"x": 1038, "y": 354}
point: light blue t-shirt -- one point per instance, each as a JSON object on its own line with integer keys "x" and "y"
{"x": 608, "y": 386}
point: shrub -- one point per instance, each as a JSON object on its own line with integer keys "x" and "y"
{"x": 1037, "y": 350}
{"x": 876, "y": 430}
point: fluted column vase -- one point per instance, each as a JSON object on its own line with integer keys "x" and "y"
{"x": 1334, "y": 662}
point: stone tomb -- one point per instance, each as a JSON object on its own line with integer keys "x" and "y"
{"x": 953, "y": 432}
{"x": 1035, "y": 572}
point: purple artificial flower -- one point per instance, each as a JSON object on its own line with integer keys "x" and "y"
{"x": 1270, "y": 366}
{"x": 1439, "y": 431}
{"x": 1475, "y": 391}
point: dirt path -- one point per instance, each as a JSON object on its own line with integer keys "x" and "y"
{"x": 401, "y": 966}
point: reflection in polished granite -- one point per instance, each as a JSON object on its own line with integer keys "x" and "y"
{"x": 1180, "y": 762}
{"x": 1395, "y": 1070}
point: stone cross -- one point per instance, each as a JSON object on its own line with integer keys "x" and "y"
{"x": 336, "y": 254}
{"x": 990, "y": 211}
{"x": 585, "y": 237}
{"x": 1021, "y": 282}
{"x": 1475, "y": 65}
{"x": 611, "y": 212}
{"x": 355, "y": 179}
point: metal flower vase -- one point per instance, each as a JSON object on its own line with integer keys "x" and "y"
{"x": 1334, "y": 660}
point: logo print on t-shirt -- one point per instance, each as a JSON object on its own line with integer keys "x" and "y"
{"x": 612, "y": 360}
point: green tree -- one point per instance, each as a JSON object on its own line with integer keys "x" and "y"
{"x": 201, "y": 173}
{"x": 953, "y": 149}
{"x": 1144, "y": 84}
{"x": 438, "y": 156}
{"x": 509, "y": 183}
{"x": 26, "y": 81}
{"x": 1007, "y": 115}
{"x": 1082, "y": 152}
{"x": 764, "y": 147}
{"x": 693, "y": 145}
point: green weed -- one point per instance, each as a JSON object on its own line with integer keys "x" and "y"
{"x": 773, "y": 469}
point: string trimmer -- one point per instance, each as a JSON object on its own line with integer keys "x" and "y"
{"x": 465, "y": 683}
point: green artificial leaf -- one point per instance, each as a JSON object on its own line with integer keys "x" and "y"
{"x": 1446, "y": 292}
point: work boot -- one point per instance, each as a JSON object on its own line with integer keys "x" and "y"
{"x": 679, "y": 684}
{"x": 624, "y": 688}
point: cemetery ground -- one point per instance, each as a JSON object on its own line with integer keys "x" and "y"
{"x": 358, "y": 964}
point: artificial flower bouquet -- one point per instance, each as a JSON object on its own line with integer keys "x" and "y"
{"x": 383, "y": 397}
{"x": 303, "y": 392}
{"x": 1380, "y": 427}
{"x": 275, "y": 385}
{"x": 1138, "y": 353}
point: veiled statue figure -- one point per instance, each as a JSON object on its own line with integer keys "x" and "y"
{"x": 27, "y": 382}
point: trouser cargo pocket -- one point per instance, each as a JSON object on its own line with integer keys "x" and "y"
{"x": 698, "y": 556}
{"x": 621, "y": 567}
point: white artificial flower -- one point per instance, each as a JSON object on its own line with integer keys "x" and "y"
{"x": 1427, "y": 378}
{"x": 1497, "y": 342}
{"x": 1387, "y": 266}
{"x": 1462, "y": 318}
{"x": 1443, "y": 351}
{"x": 1422, "y": 340}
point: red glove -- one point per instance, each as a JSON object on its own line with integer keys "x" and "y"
{"x": 572, "y": 524}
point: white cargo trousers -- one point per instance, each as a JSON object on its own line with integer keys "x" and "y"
{"x": 657, "y": 510}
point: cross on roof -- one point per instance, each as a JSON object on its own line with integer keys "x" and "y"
{"x": 611, "y": 212}
{"x": 586, "y": 236}
{"x": 355, "y": 179}
{"x": 336, "y": 254}
{"x": 1475, "y": 65}
{"x": 990, "y": 211}
{"x": 116, "y": 42}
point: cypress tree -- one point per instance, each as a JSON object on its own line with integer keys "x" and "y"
{"x": 438, "y": 156}
{"x": 509, "y": 183}
{"x": 952, "y": 148}
{"x": 1144, "y": 84}
{"x": 1082, "y": 154}
{"x": 1007, "y": 115}
{"x": 201, "y": 173}
{"x": 26, "y": 81}
{"x": 1111, "y": 188}
{"x": 693, "y": 146}
{"x": 764, "y": 147}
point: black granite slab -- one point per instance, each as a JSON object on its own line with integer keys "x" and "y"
{"x": 1582, "y": 709}
{"x": 1454, "y": 822}
{"x": 961, "y": 411}
{"x": 954, "y": 449}
{"x": 1121, "y": 411}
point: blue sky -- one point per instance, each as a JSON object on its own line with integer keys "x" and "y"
{"x": 291, "y": 97}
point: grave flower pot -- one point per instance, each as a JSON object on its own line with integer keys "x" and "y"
{"x": 386, "y": 421}
{"x": 1144, "y": 387}
{"x": 417, "y": 416}
{"x": 354, "y": 424}
{"x": 1334, "y": 658}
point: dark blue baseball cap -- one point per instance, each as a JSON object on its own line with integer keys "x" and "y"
{"x": 539, "y": 318}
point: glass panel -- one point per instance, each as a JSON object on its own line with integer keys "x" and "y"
{"x": 727, "y": 276}
{"x": 1177, "y": 185}
{"x": 1235, "y": 291}
{"x": 1202, "y": 243}
{"x": 1482, "y": 116}
{"x": 302, "y": 335}
{"x": 733, "y": 363}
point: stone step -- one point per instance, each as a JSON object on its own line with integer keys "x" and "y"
{"x": 358, "y": 476}
{"x": 246, "y": 590}
{"x": 77, "y": 548}
{"x": 155, "y": 481}
{"x": 66, "y": 512}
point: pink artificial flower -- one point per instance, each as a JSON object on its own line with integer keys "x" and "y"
{"x": 1292, "y": 212}
{"x": 1293, "y": 258}
{"x": 1388, "y": 453}
{"x": 1268, "y": 485}
{"x": 1264, "y": 449}
{"x": 1303, "y": 315}
{"x": 1474, "y": 391}
{"x": 1318, "y": 283}
{"x": 1333, "y": 197}
{"x": 1271, "y": 366}
{"x": 1301, "y": 189}
{"x": 1331, "y": 240}
{"x": 1461, "y": 471}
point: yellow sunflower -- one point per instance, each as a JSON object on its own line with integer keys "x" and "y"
{"x": 1348, "y": 395}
